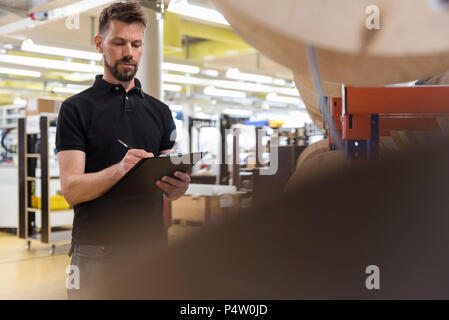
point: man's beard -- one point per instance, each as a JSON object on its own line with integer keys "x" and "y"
{"x": 127, "y": 74}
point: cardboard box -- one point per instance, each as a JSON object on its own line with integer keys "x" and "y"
{"x": 205, "y": 208}
{"x": 35, "y": 106}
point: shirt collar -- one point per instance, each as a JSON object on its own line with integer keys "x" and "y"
{"x": 105, "y": 86}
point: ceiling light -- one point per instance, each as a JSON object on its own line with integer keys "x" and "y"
{"x": 180, "y": 67}
{"x": 171, "y": 87}
{"x": 288, "y": 91}
{"x": 212, "y": 91}
{"x": 210, "y": 73}
{"x": 182, "y": 7}
{"x": 50, "y": 64}
{"x": 78, "y": 76}
{"x": 234, "y": 73}
{"x": 77, "y": 86}
{"x": 176, "y": 107}
{"x": 238, "y": 112}
{"x": 66, "y": 90}
{"x": 17, "y": 25}
{"x": 20, "y": 102}
{"x": 265, "y": 105}
{"x": 28, "y": 45}
{"x": 279, "y": 82}
{"x": 226, "y": 84}
{"x": 276, "y": 98}
{"x": 20, "y": 72}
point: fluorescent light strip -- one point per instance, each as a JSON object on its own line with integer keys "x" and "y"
{"x": 20, "y": 72}
{"x": 66, "y": 90}
{"x": 234, "y": 73}
{"x": 212, "y": 91}
{"x": 274, "y": 97}
{"x": 180, "y": 67}
{"x": 20, "y": 102}
{"x": 226, "y": 84}
{"x": 70, "y": 88}
{"x": 182, "y": 7}
{"x": 237, "y": 112}
{"x": 17, "y": 25}
{"x": 78, "y": 76}
{"x": 28, "y": 45}
{"x": 50, "y": 64}
{"x": 279, "y": 82}
{"x": 171, "y": 87}
{"x": 288, "y": 91}
{"x": 77, "y": 86}
{"x": 210, "y": 73}
{"x": 176, "y": 107}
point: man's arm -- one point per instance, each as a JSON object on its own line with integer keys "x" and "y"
{"x": 78, "y": 187}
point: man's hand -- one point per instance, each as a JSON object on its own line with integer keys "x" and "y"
{"x": 130, "y": 159}
{"x": 174, "y": 188}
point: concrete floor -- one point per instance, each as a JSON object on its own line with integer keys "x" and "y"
{"x": 35, "y": 274}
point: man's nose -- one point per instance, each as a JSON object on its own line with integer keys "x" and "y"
{"x": 128, "y": 51}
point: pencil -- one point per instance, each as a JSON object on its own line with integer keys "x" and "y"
{"x": 125, "y": 144}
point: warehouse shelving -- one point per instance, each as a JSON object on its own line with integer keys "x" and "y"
{"x": 26, "y": 177}
{"x": 365, "y": 113}
{"x": 9, "y": 115}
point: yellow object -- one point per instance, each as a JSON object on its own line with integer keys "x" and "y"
{"x": 57, "y": 202}
{"x": 276, "y": 124}
{"x": 218, "y": 42}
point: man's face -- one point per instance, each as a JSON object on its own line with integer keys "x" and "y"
{"x": 122, "y": 47}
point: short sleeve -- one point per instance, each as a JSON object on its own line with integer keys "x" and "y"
{"x": 169, "y": 136}
{"x": 70, "y": 133}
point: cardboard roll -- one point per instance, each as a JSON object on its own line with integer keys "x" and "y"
{"x": 331, "y": 89}
{"x": 312, "y": 151}
{"x": 319, "y": 164}
{"x": 317, "y": 160}
{"x": 410, "y": 139}
{"x": 375, "y": 27}
{"x": 351, "y": 68}
{"x": 315, "y": 115}
{"x": 310, "y": 98}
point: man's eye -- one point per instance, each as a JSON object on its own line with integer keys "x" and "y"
{"x": 137, "y": 45}
{"x": 119, "y": 43}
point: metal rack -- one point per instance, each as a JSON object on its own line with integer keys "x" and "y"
{"x": 9, "y": 115}
{"x": 365, "y": 113}
{"x": 27, "y": 176}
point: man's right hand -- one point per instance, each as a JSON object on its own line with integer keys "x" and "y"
{"x": 131, "y": 158}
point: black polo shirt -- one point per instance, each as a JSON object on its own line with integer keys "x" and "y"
{"x": 92, "y": 121}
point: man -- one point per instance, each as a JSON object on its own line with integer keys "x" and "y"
{"x": 115, "y": 235}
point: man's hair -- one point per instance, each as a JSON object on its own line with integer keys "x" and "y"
{"x": 128, "y": 12}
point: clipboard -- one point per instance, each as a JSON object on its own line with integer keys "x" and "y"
{"x": 140, "y": 180}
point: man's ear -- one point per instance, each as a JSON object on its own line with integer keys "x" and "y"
{"x": 99, "y": 43}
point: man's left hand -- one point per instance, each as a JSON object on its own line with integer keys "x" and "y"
{"x": 174, "y": 188}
